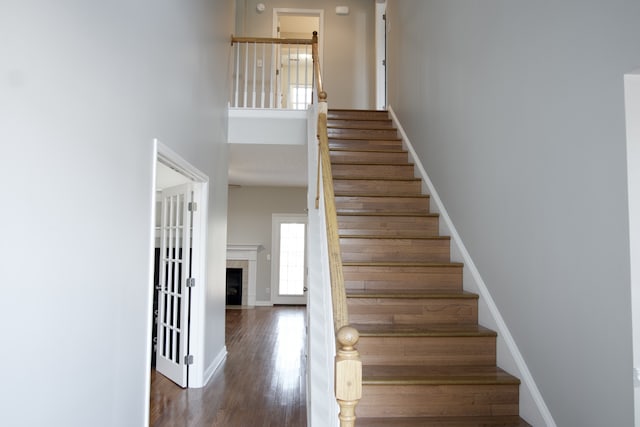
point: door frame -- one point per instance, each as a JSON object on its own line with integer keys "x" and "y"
{"x": 381, "y": 54}
{"x": 276, "y": 220}
{"x": 278, "y": 11}
{"x": 632, "y": 109}
{"x": 200, "y": 181}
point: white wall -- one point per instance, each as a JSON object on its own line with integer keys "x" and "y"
{"x": 349, "y": 48}
{"x": 517, "y": 111}
{"x": 250, "y": 211}
{"x": 85, "y": 87}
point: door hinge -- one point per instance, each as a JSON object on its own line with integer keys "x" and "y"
{"x": 188, "y": 359}
{"x": 192, "y": 206}
{"x": 384, "y": 62}
{"x": 384, "y": 17}
{"x": 191, "y": 282}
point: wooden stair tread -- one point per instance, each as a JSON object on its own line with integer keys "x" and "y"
{"x": 359, "y": 137}
{"x": 389, "y": 214}
{"x": 375, "y": 141}
{"x": 392, "y": 330}
{"x": 374, "y": 125}
{"x": 483, "y": 421}
{"x": 410, "y": 293}
{"x": 436, "y": 375}
{"x": 378, "y": 237}
{"x": 348, "y": 163}
{"x": 413, "y": 196}
{"x": 403, "y": 264}
{"x": 368, "y": 149}
{"x": 377, "y": 178}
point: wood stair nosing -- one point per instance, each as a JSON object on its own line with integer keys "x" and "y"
{"x": 360, "y": 122}
{"x": 378, "y": 237}
{"x": 369, "y": 157}
{"x": 411, "y": 294}
{"x": 403, "y": 264}
{"x": 463, "y": 421}
{"x": 400, "y": 196}
{"x": 353, "y": 150}
{"x": 431, "y": 331}
{"x": 357, "y": 114}
{"x": 436, "y": 375}
{"x": 355, "y": 136}
{"x": 376, "y": 178}
{"x": 391, "y": 214}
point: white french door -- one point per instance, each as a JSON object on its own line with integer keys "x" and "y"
{"x": 174, "y": 290}
{"x": 288, "y": 265}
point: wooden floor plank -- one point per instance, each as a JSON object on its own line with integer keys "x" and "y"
{"x": 261, "y": 383}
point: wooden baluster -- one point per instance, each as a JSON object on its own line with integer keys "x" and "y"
{"x": 348, "y": 373}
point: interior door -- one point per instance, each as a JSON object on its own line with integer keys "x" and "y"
{"x": 174, "y": 292}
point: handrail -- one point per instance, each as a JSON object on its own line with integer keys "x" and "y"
{"x": 348, "y": 366}
{"x": 266, "y": 40}
{"x": 322, "y": 95}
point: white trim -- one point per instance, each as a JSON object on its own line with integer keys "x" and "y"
{"x": 247, "y": 253}
{"x": 214, "y": 365}
{"x": 632, "y": 111}
{"x": 305, "y": 12}
{"x": 276, "y": 220}
{"x": 150, "y": 284}
{"x": 264, "y": 304}
{"x": 532, "y": 405}
{"x": 381, "y": 53}
{"x": 200, "y": 180}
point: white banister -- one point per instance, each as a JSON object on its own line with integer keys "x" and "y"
{"x": 285, "y": 85}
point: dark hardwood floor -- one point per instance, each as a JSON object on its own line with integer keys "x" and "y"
{"x": 262, "y": 382}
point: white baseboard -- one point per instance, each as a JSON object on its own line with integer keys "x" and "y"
{"x": 532, "y": 405}
{"x": 264, "y": 304}
{"x": 211, "y": 369}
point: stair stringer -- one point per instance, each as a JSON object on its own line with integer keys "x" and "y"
{"x": 532, "y": 406}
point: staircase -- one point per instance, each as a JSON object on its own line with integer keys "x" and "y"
{"x": 426, "y": 361}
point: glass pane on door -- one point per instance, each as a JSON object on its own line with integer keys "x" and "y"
{"x": 292, "y": 241}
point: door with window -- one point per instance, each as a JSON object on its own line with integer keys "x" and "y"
{"x": 174, "y": 288}
{"x": 288, "y": 259}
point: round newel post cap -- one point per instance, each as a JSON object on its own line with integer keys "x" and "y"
{"x": 348, "y": 337}
{"x": 322, "y": 96}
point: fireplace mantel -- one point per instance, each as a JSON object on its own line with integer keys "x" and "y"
{"x": 247, "y": 253}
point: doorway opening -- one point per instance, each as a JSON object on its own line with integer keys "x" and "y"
{"x": 234, "y": 286}
{"x": 179, "y": 254}
{"x": 295, "y": 65}
{"x": 381, "y": 54}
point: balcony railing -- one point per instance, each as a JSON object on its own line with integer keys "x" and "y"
{"x": 272, "y": 73}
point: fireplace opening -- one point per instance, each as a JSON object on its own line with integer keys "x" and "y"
{"x": 234, "y": 286}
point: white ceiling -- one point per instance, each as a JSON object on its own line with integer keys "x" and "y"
{"x": 253, "y": 165}
{"x": 167, "y": 177}
{"x": 268, "y": 165}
